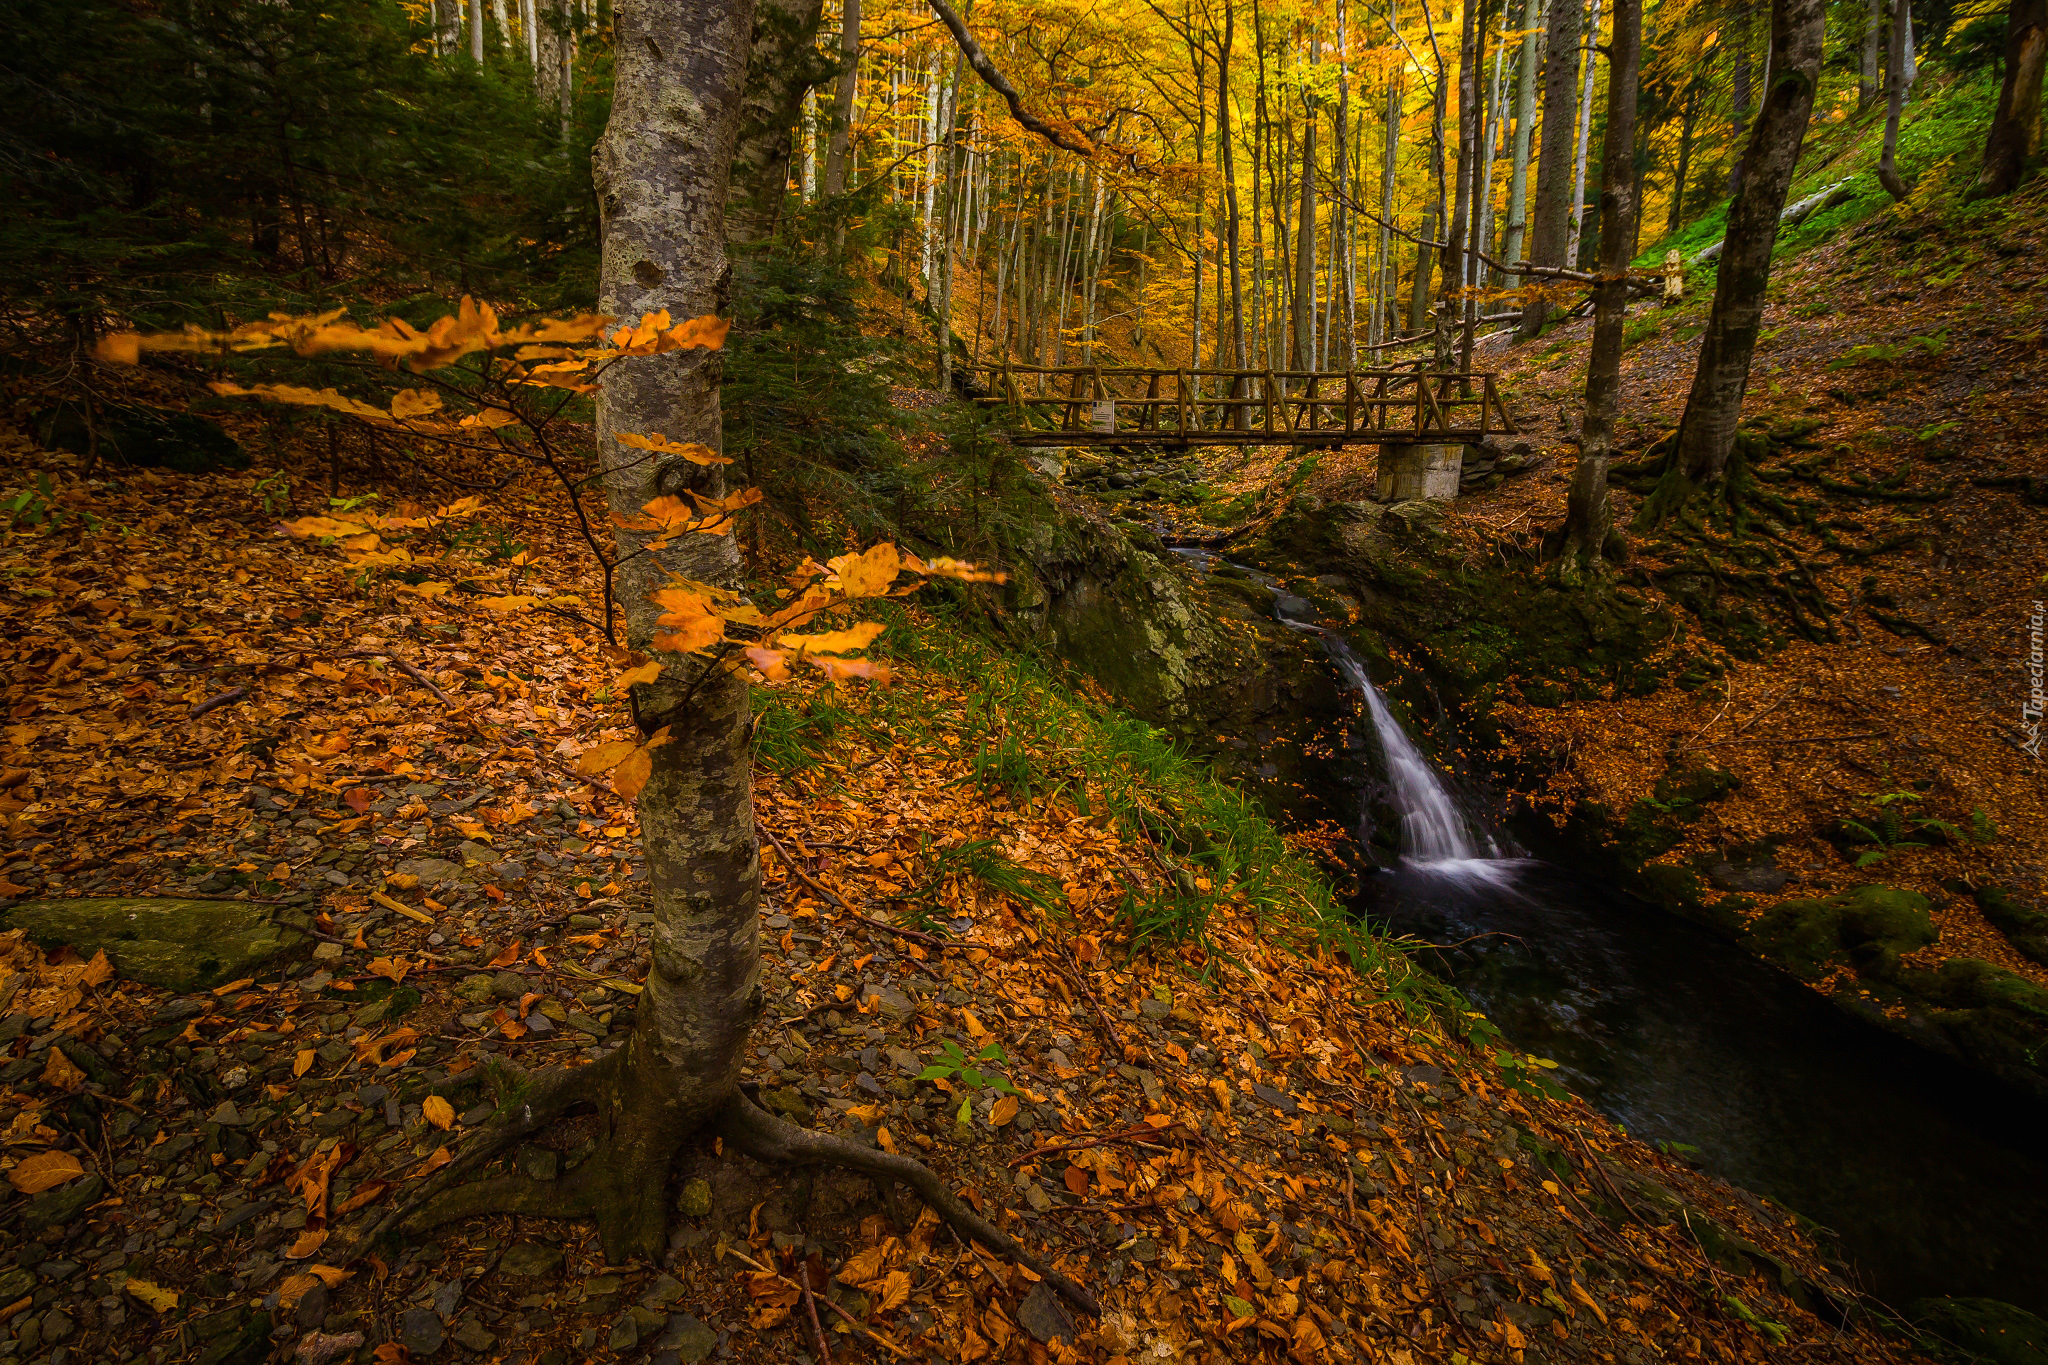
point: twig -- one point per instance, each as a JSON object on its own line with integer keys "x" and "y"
{"x": 410, "y": 671}
{"x": 1102, "y": 1014}
{"x": 811, "y": 1307}
{"x": 1797, "y": 739}
{"x": 851, "y": 1321}
{"x": 217, "y": 700}
{"x": 997, "y": 82}
{"x": 1127, "y": 1135}
{"x": 915, "y": 935}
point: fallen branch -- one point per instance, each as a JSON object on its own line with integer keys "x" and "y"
{"x": 216, "y": 701}
{"x": 914, "y": 935}
{"x": 1143, "y": 1130}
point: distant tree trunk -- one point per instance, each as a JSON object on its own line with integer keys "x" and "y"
{"x": 1551, "y": 220}
{"x": 1868, "y": 71}
{"x": 1685, "y": 132}
{"x": 504, "y": 24}
{"x": 1344, "y": 283}
{"x": 529, "y": 29}
{"x": 781, "y": 69}
{"x": 1226, "y": 155}
{"x": 1738, "y": 88}
{"x": 942, "y": 300}
{"x": 1895, "y": 102}
{"x": 2016, "y": 128}
{"x": 476, "y": 31}
{"x": 1439, "y": 161}
{"x": 1706, "y": 433}
{"x": 1418, "y": 305}
{"x": 1387, "y": 277}
{"x": 1305, "y": 241}
{"x": 1515, "y": 240}
{"x": 842, "y": 104}
{"x": 1588, "y": 519}
{"x": 1471, "y": 129}
{"x": 1578, "y": 218}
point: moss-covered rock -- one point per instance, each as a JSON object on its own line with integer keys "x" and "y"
{"x": 164, "y": 941}
{"x": 2025, "y": 928}
{"x": 1996, "y": 1018}
{"x": 1869, "y": 927}
{"x": 1985, "y": 1328}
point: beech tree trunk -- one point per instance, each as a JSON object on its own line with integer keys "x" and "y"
{"x": 782, "y": 66}
{"x": 1895, "y": 103}
{"x": 1868, "y": 72}
{"x": 1551, "y": 221}
{"x": 2016, "y": 128}
{"x": 661, "y": 180}
{"x": 476, "y": 31}
{"x": 1585, "y": 141}
{"x": 1588, "y": 517}
{"x": 842, "y": 101}
{"x": 1706, "y": 433}
{"x": 1305, "y": 250}
{"x": 1515, "y": 239}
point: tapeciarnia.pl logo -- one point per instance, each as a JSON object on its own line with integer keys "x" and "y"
{"x": 2036, "y": 700}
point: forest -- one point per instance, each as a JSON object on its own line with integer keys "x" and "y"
{"x": 1023, "y": 681}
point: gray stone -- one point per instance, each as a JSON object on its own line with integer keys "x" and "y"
{"x": 531, "y": 1259}
{"x": 430, "y": 870}
{"x": 471, "y": 1336}
{"x": 312, "y": 1309}
{"x": 690, "y": 1339}
{"x": 1154, "y": 1009}
{"x": 625, "y": 1333}
{"x": 475, "y": 853}
{"x": 539, "y": 1163}
{"x": 161, "y": 940}
{"x": 420, "y": 1331}
{"x": 1044, "y": 1316}
{"x": 905, "y": 1061}
{"x": 695, "y": 1200}
{"x": 508, "y": 985}
{"x": 893, "y": 1004}
{"x": 1279, "y": 1099}
{"x": 1761, "y": 879}
{"x": 58, "y": 1326}
{"x": 55, "y": 1208}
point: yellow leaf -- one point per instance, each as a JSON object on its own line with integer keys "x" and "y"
{"x": 690, "y": 618}
{"x": 414, "y": 403}
{"x": 837, "y": 641}
{"x": 634, "y": 677}
{"x": 864, "y": 1267}
{"x": 974, "y": 1025}
{"x": 632, "y": 774}
{"x": 45, "y": 1170}
{"x": 437, "y": 1111}
{"x": 895, "y": 1291}
{"x": 394, "y": 968}
{"x": 389, "y": 904}
{"x": 303, "y": 1063}
{"x": 154, "y": 1297}
{"x": 604, "y": 757}
{"x": 60, "y": 1072}
{"x": 1005, "y": 1110}
{"x": 489, "y": 419}
{"x": 769, "y": 661}
{"x": 300, "y": 397}
{"x": 505, "y": 606}
{"x": 689, "y": 450}
{"x": 97, "y": 972}
{"x": 310, "y": 1241}
{"x": 868, "y": 574}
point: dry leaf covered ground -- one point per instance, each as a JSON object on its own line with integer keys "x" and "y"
{"x": 1249, "y": 1147}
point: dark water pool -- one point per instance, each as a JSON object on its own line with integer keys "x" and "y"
{"x": 1935, "y": 1181}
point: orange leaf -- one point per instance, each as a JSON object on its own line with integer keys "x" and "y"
{"x": 1005, "y": 1110}
{"x": 634, "y": 677}
{"x": 393, "y": 967}
{"x": 45, "y": 1170}
{"x": 868, "y": 574}
{"x": 97, "y": 972}
{"x": 60, "y": 1072}
{"x": 508, "y": 955}
{"x": 433, "y": 1163}
{"x": 303, "y": 1062}
{"x": 437, "y": 1111}
{"x": 365, "y": 1194}
{"x": 836, "y": 641}
{"x": 1076, "y": 1180}
{"x": 604, "y": 757}
{"x": 310, "y": 1241}
{"x": 632, "y": 774}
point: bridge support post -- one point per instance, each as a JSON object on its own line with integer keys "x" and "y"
{"x": 1408, "y": 472}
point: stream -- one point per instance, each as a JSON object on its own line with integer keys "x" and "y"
{"x": 1933, "y": 1179}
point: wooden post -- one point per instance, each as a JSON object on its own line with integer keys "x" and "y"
{"x": 1152, "y": 402}
{"x": 1350, "y": 402}
{"x": 1181, "y": 387}
{"x": 1272, "y": 383}
{"x": 1485, "y": 405}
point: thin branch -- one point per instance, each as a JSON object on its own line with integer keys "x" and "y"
{"x": 999, "y": 83}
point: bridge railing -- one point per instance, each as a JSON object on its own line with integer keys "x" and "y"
{"x": 1104, "y": 405}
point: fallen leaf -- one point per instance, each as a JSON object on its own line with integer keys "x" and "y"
{"x": 45, "y": 1170}
{"x": 506, "y": 956}
{"x": 303, "y": 1062}
{"x": 365, "y": 1194}
{"x": 895, "y": 1291}
{"x": 310, "y": 1241}
{"x": 154, "y": 1297}
{"x": 437, "y": 1111}
{"x": 60, "y": 1071}
{"x": 1005, "y": 1110}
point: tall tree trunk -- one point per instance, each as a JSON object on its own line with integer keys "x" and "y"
{"x": 529, "y": 28}
{"x": 1525, "y": 118}
{"x": 1195, "y": 227}
{"x": 1895, "y": 99}
{"x": 1226, "y": 155}
{"x": 476, "y": 31}
{"x": 782, "y": 67}
{"x": 1387, "y": 277}
{"x": 2016, "y": 128}
{"x": 1456, "y": 257}
{"x": 1588, "y": 518}
{"x": 504, "y": 24}
{"x": 1738, "y": 87}
{"x": 1685, "y": 132}
{"x": 1706, "y": 433}
{"x": 1439, "y": 159}
{"x": 661, "y": 188}
{"x": 842, "y": 106}
{"x": 1305, "y": 242}
{"x": 956, "y": 165}
{"x": 1343, "y": 281}
{"x": 1551, "y": 220}
{"x": 1867, "y": 68}
{"x": 1578, "y": 219}
{"x": 1418, "y": 305}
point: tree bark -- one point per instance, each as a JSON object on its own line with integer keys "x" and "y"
{"x": 782, "y": 66}
{"x": 1305, "y": 246}
{"x": 476, "y": 31}
{"x": 2015, "y": 136}
{"x": 1895, "y": 100}
{"x": 1342, "y": 282}
{"x": 1867, "y": 66}
{"x": 1550, "y": 221}
{"x": 1588, "y": 518}
{"x": 1585, "y": 140}
{"x": 1471, "y": 127}
{"x": 1685, "y": 138}
{"x": 1386, "y": 277}
{"x": 1227, "y": 157}
{"x": 842, "y": 103}
{"x": 1525, "y": 118}
{"x": 1706, "y": 432}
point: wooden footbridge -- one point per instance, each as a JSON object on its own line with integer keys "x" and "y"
{"x": 1092, "y": 405}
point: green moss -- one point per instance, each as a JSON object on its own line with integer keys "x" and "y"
{"x": 1869, "y": 927}
{"x": 1985, "y": 1328}
{"x": 162, "y": 940}
{"x": 2024, "y": 928}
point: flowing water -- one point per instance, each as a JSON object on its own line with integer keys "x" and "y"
{"x": 1934, "y": 1180}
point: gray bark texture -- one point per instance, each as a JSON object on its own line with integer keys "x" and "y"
{"x": 836, "y": 154}
{"x": 1895, "y": 103}
{"x": 1588, "y": 517}
{"x": 1706, "y": 433}
{"x": 1525, "y": 121}
{"x": 1550, "y": 223}
{"x": 782, "y": 66}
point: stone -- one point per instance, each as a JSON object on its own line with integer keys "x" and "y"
{"x": 1985, "y": 1328}
{"x": 625, "y": 1333}
{"x": 474, "y": 854}
{"x": 1411, "y": 472}
{"x": 429, "y": 870}
{"x": 58, "y": 1326}
{"x": 695, "y": 1200}
{"x": 690, "y": 1339}
{"x": 475, "y": 988}
{"x": 1044, "y": 1315}
{"x": 327, "y": 952}
{"x": 539, "y": 1163}
{"x": 1154, "y": 1009}
{"x": 420, "y": 1331}
{"x": 531, "y": 1260}
{"x": 312, "y": 1309}
{"x": 893, "y": 1004}
{"x": 1279, "y": 1099}
{"x": 183, "y": 945}
{"x": 471, "y": 1335}
{"x": 55, "y": 1208}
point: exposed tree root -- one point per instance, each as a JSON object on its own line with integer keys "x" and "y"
{"x": 622, "y": 1187}
{"x": 760, "y": 1134}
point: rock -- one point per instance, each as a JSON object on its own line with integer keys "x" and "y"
{"x": 690, "y": 1339}
{"x": 475, "y": 988}
{"x": 160, "y": 940}
{"x": 312, "y": 1309}
{"x": 319, "y": 1348}
{"x": 58, "y": 1326}
{"x": 420, "y": 1331}
{"x": 471, "y": 1335}
{"x": 695, "y": 1200}
{"x": 508, "y": 985}
{"x": 15, "y": 1284}
{"x": 539, "y": 1163}
{"x": 1989, "y": 1329}
{"x": 531, "y": 1259}
{"x": 1279, "y": 1099}
{"x": 1873, "y": 926}
{"x": 789, "y": 1103}
{"x": 327, "y": 952}
{"x": 55, "y": 1208}
{"x": 1154, "y": 1009}
{"x": 893, "y": 1004}
{"x": 1759, "y": 878}
{"x": 475, "y": 854}
{"x": 430, "y": 870}
{"x": 1044, "y": 1316}
{"x": 625, "y": 1333}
